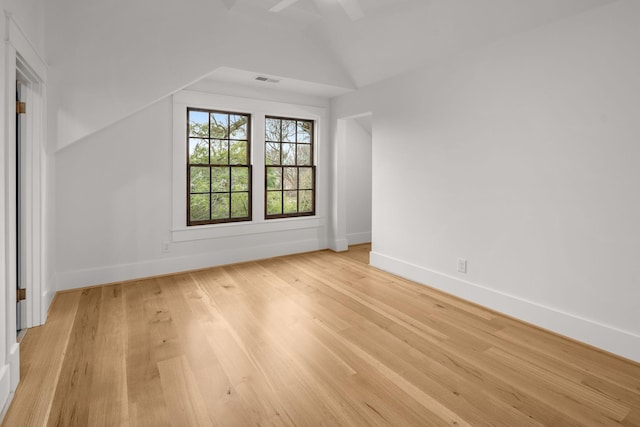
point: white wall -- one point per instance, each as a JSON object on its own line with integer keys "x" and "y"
{"x": 521, "y": 157}
{"x": 111, "y": 59}
{"x": 28, "y": 15}
{"x": 114, "y": 206}
{"x": 4, "y": 338}
{"x": 358, "y": 179}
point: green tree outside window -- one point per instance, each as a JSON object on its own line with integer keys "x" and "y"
{"x": 219, "y": 168}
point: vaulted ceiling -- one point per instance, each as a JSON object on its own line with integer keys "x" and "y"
{"x": 109, "y": 59}
{"x": 389, "y": 37}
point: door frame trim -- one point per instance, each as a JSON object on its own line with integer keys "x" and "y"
{"x": 22, "y": 58}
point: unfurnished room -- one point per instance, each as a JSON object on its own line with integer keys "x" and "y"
{"x": 320, "y": 213}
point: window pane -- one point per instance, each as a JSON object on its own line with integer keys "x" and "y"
{"x": 199, "y": 180}
{"x": 219, "y": 179}
{"x": 219, "y": 125}
{"x": 288, "y": 154}
{"x": 290, "y": 178}
{"x": 306, "y": 178}
{"x": 288, "y": 131}
{"x": 274, "y": 203}
{"x": 240, "y": 179}
{"x": 220, "y": 206}
{"x": 219, "y": 152}
{"x": 198, "y": 151}
{"x": 272, "y": 153}
{"x": 304, "y": 131}
{"x": 289, "y": 146}
{"x": 238, "y": 127}
{"x": 272, "y": 130}
{"x": 274, "y": 178}
{"x": 219, "y": 171}
{"x": 239, "y": 205}
{"x": 304, "y": 154}
{"x": 199, "y": 123}
{"x": 199, "y": 207}
{"x": 306, "y": 201}
{"x": 290, "y": 202}
{"x": 238, "y": 152}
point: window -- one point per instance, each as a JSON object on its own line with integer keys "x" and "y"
{"x": 218, "y": 169}
{"x": 189, "y": 125}
{"x": 289, "y": 168}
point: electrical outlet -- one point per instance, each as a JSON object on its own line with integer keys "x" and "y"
{"x": 462, "y": 265}
{"x": 165, "y": 247}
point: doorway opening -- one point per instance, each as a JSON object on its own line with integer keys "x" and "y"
{"x": 353, "y": 184}
{"x": 25, "y": 169}
{"x": 25, "y": 165}
{"x": 21, "y": 290}
{"x": 358, "y": 178}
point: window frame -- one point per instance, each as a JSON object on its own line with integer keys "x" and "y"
{"x": 247, "y": 102}
{"x": 210, "y": 166}
{"x": 282, "y": 167}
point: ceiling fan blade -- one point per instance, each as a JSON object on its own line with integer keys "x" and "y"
{"x": 352, "y": 9}
{"x": 229, "y": 3}
{"x": 283, "y": 4}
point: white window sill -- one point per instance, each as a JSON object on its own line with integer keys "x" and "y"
{"x": 217, "y": 231}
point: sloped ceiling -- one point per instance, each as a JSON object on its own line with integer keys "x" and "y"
{"x": 109, "y": 59}
{"x": 395, "y": 36}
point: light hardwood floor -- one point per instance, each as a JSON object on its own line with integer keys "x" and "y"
{"x": 313, "y": 339}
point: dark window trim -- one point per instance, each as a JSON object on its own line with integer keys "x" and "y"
{"x": 229, "y": 165}
{"x": 312, "y": 144}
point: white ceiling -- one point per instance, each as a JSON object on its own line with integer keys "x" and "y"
{"x": 395, "y": 36}
{"x": 287, "y": 84}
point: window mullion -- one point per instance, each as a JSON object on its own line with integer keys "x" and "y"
{"x": 220, "y": 193}
{"x": 294, "y": 134}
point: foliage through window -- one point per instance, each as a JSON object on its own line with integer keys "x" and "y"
{"x": 289, "y": 167}
{"x": 219, "y": 169}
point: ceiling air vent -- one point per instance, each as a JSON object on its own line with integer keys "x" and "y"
{"x": 267, "y": 79}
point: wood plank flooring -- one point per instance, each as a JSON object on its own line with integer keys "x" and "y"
{"x": 318, "y": 339}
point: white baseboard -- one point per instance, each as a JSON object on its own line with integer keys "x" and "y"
{"x": 117, "y": 273}
{"x": 5, "y": 395}
{"x": 47, "y": 299}
{"x": 623, "y": 343}
{"x": 339, "y": 245}
{"x": 14, "y": 367}
{"x": 9, "y": 378}
{"x": 359, "y": 238}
